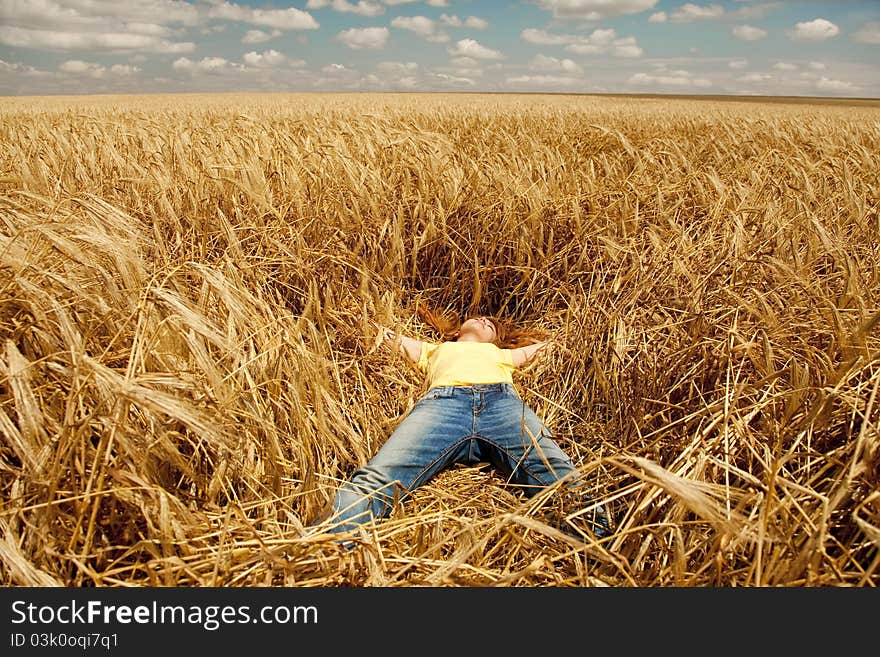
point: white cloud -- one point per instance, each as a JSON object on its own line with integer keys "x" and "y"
{"x": 96, "y": 16}
{"x": 265, "y": 59}
{"x": 672, "y": 79}
{"x": 602, "y": 37}
{"x": 258, "y": 36}
{"x": 107, "y": 41}
{"x": 544, "y": 38}
{"x": 585, "y": 49}
{"x": 544, "y": 80}
{"x": 453, "y": 80}
{"x": 544, "y": 63}
{"x": 365, "y": 38}
{"x": 815, "y": 30}
{"x": 755, "y": 77}
{"x": 748, "y": 33}
{"x": 282, "y": 19}
{"x": 361, "y": 8}
{"x": 79, "y": 67}
{"x": 594, "y": 10}
{"x": 422, "y": 26}
{"x": 124, "y": 70}
{"x": 205, "y": 65}
{"x": 20, "y": 69}
{"x": 835, "y": 86}
{"x": 473, "y": 22}
{"x": 467, "y": 72}
{"x": 689, "y": 12}
{"x": 666, "y": 80}
{"x": 122, "y": 26}
{"x": 753, "y": 12}
{"x": 149, "y": 28}
{"x": 396, "y": 75}
{"x": 626, "y": 47}
{"x": 397, "y": 68}
{"x": 605, "y": 41}
{"x": 407, "y": 82}
{"x": 372, "y": 80}
{"x": 472, "y": 48}
{"x": 476, "y": 23}
{"x": 133, "y": 32}
{"x": 868, "y": 33}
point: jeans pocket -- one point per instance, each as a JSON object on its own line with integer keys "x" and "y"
{"x": 440, "y": 392}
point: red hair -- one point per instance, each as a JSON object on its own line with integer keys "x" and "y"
{"x": 448, "y": 323}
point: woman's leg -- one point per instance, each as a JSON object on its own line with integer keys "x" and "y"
{"x": 435, "y": 434}
{"x": 518, "y": 443}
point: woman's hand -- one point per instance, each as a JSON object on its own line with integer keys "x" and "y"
{"x": 389, "y": 337}
{"x": 409, "y": 347}
{"x": 524, "y": 355}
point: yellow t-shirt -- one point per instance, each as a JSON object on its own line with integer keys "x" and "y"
{"x": 465, "y": 363}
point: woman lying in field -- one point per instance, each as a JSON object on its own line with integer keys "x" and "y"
{"x": 471, "y": 413}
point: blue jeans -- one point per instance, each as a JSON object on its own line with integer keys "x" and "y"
{"x": 457, "y": 424}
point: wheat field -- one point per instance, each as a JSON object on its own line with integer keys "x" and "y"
{"x": 188, "y": 364}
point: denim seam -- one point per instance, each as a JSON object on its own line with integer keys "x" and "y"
{"x": 520, "y": 463}
{"x": 439, "y": 457}
{"x": 506, "y": 389}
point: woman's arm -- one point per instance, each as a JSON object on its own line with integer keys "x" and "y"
{"x": 409, "y": 347}
{"x": 523, "y": 355}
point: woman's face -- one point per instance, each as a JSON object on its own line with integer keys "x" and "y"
{"x": 482, "y": 328}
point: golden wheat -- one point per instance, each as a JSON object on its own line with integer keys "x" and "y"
{"x": 188, "y": 366}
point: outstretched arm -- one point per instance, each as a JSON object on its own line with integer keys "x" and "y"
{"x": 524, "y": 355}
{"x": 409, "y": 347}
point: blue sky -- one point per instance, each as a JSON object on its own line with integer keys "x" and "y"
{"x": 790, "y": 48}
